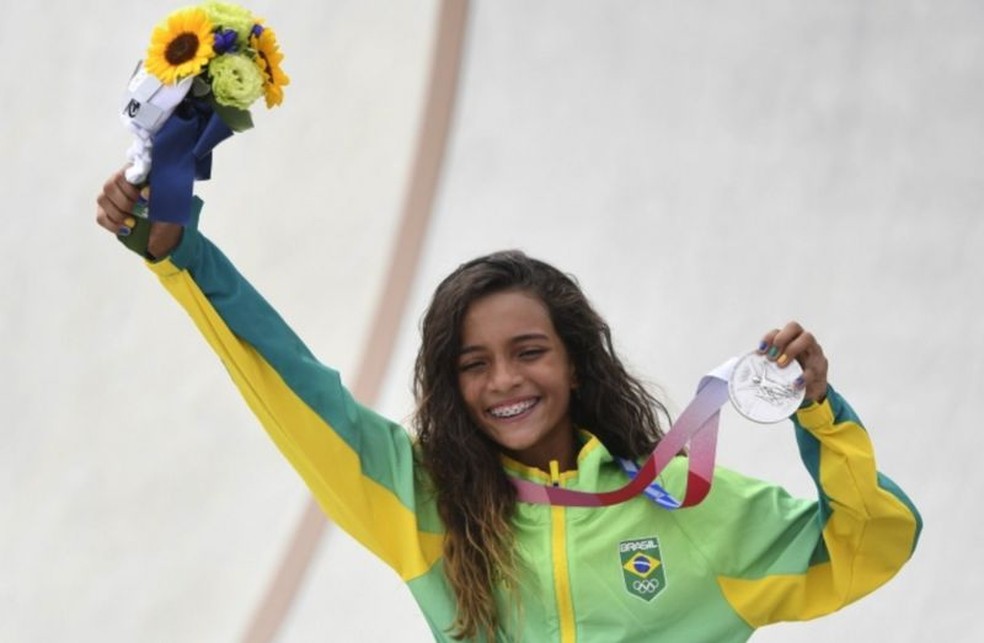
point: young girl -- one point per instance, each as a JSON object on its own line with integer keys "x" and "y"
{"x": 516, "y": 377}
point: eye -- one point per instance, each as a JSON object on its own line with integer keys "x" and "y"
{"x": 470, "y": 365}
{"x": 532, "y": 353}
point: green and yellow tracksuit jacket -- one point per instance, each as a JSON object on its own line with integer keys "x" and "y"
{"x": 747, "y": 556}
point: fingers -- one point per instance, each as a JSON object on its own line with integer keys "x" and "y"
{"x": 792, "y": 342}
{"x": 789, "y": 343}
{"x": 114, "y": 205}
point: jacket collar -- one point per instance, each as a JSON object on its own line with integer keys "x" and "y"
{"x": 590, "y": 457}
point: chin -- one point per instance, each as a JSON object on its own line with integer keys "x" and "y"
{"x": 509, "y": 440}
{"x": 517, "y": 445}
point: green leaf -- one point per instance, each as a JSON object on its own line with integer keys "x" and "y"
{"x": 238, "y": 120}
{"x": 200, "y": 87}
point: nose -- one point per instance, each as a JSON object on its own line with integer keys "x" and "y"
{"x": 505, "y": 376}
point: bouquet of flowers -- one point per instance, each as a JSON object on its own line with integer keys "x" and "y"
{"x": 232, "y": 57}
{"x": 205, "y": 66}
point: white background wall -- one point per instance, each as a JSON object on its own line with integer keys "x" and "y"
{"x": 707, "y": 169}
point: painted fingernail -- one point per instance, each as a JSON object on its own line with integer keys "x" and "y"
{"x": 130, "y": 222}
{"x": 124, "y": 231}
{"x": 773, "y": 352}
{"x": 762, "y": 346}
{"x": 781, "y": 361}
{"x": 799, "y": 382}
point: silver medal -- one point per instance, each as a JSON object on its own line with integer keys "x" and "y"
{"x": 763, "y": 392}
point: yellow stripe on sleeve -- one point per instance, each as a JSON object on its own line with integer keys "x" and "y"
{"x": 869, "y": 535}
{"x": 368, "y": 511}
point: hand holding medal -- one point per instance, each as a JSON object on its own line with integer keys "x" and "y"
{"x": 794, "y": 347}
{"x": 206, "y": 65}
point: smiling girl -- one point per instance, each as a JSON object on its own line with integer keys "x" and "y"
{"x": 517, "y": 378}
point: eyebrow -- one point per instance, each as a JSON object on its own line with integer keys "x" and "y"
{"x": 525, "y": 337}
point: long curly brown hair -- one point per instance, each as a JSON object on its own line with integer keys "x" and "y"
{"x": 475, "y": 499}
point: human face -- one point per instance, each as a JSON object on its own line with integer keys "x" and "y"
{"x": 516, "y": 378}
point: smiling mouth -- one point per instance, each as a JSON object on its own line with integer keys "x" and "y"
{"x": 508, "y": 411}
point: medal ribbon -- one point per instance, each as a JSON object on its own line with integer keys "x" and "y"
{"x": 697, "y": 426}
{"x": 654, "y": 491}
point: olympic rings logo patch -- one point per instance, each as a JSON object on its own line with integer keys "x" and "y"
{"x": 643, "y": 571}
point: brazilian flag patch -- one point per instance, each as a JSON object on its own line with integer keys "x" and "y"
{"x": 642, "y": 567}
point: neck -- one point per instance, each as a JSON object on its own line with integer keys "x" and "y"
{"x": 564, "y": 452}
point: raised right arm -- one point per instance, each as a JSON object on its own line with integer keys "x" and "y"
{"x": 358, "y": 465}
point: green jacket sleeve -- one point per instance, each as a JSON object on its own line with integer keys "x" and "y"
{"x": 359, "y": 466}
{"x": 780, "y": 558}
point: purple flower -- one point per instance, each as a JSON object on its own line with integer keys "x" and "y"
{"x": 225, "y": 41}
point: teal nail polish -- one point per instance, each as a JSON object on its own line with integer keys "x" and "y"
{"x": 773, "y": 352}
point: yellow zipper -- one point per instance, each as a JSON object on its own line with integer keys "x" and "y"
{"x": 562, "y": 580}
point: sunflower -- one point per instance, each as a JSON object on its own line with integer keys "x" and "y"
{"x": 268, "y": 58}
{"x": 180, "y": 46}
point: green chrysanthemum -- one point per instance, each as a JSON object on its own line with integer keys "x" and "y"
{"x": 230, "y": 16}
{"x": 236, "y": 80}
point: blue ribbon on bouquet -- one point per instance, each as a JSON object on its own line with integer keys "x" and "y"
{"x": 182, "y": 153}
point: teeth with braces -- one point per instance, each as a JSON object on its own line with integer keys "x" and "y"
{"x": 511, "y": 410}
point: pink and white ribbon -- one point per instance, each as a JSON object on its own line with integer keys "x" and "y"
{"x": 696, "y": 426}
